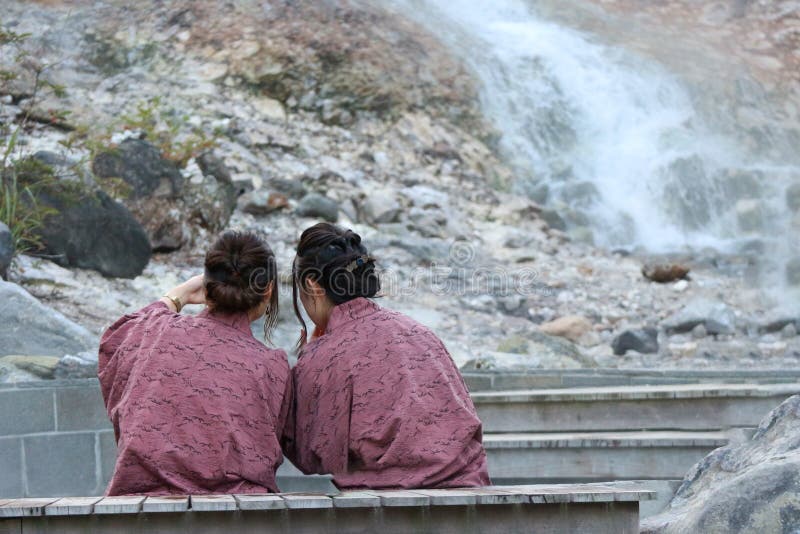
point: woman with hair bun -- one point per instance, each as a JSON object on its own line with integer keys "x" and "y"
{"x": 379, "y": 402}
{"x": 197, "y": 403}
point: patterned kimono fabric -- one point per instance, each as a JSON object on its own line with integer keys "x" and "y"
{"x": 380, "y": 404}
{"x": 197, "y": 403}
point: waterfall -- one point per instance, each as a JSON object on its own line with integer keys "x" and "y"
{"x": 609, "y": 139}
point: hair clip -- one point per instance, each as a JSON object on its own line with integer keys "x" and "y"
{"x": 358, "y": 262}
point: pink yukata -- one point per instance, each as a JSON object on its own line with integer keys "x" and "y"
{"x": 197, "y": 403}
{"x": 380, "y": 404}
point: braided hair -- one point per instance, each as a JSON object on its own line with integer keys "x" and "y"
{"x": 335, "y": 258}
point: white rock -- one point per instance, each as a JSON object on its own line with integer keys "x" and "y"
{"x": 269, "y": 108}
{"x": 680, "y": 286}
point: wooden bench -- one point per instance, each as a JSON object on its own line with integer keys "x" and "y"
{"x": 596, "y": 508}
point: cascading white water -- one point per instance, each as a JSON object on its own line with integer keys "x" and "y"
{"x": 608, "y": 138}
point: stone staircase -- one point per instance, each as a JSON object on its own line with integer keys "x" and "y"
{"x": 652, "y": 433}
{"x": 571, "y": 426}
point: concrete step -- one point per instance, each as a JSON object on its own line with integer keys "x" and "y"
{"x": 623, "y": 408}
{"x": 599, "y": 456}
{"x": 487, "y": 380}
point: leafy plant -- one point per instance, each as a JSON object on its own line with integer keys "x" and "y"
{"x": 22, "y": 212}
{"x": 156, "y": 123}
{"x": 22, "y": 178}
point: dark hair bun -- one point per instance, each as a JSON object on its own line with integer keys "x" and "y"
{"x": 239, "y": 267}
{"x": 326, "y": 252}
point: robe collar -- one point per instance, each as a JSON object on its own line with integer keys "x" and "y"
{"x": 352, "y": 310}
{"x": 239, "y": 321}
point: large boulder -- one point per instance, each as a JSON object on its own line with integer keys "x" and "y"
{"x": 83, "y": 226}
{"x": 32, "y": 329}
{"x": 170, "y": 207}
{"x": 139, "y": 164}
{"x": 6, "y": 249}
{"x": 94, "y": 232}
{"x": 748, "y": 487}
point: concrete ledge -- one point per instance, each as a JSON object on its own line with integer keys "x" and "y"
{"x": 573, "y": 440}
{"x": 556, "y": 378}
{"x": 599, "y": 508}
{"x": 597, "y": 456}
{"x": 680, "y": 391}
{"x": 686, "y": 407}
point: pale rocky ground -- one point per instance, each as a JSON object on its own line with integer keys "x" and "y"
{"x": 417, "y": 178}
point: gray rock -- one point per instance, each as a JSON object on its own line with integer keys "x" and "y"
{"x": 81, "y": 365}
{"x": 778, "y": 323}
{"x": 752, "y": 486}
{"x": 6, "y": 249}
{"x": 642, "y": 340}
{"x": 169, "y": 207}
{"x": 262, "y": 202}
{"x": 716, "y": 317}
{"x": 699, "y": 331}
{"x": 290, "y": 188}
{"x": 210, "y": 203}
{"x": 95, "y": 232}
{"x": 534, "y": 350}
{"x": 318, "y": 206}
{"x": 87, "y": 228}
{"x": 38, "y": 366}
{"x": 141, "y": 166}
{"x": 423, "y": 196}
{"x": 31, "y": 328}
{"x": 425, "y": 250}
{"x": 381, "y": 207}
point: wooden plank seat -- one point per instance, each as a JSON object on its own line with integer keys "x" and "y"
{"x": 599, "y": 508}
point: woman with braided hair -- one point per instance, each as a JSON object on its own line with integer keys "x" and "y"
{"x": 379, "y": 402}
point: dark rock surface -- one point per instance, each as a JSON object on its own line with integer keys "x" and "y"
{"x": 6, "y": 249}
{"x": 642, "y": 340}
{"x": 95, "y": 232}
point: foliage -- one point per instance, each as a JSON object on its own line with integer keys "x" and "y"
{"x": 156, "y": 123}
{"x": 20, "y": 186}
{"x": 23, "y": 179}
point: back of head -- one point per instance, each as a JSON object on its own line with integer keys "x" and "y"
{"x": 239, "y": 268}
{"x": 335, "y": 258}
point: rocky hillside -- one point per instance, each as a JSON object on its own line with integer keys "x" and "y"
{"x": 271, "y": 116}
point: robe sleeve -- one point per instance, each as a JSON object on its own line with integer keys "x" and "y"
{"x": 123, "y": 334}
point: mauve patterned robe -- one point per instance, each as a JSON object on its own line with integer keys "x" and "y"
{"x": 379, "y": 403}
{"x": 197, "y": 403}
